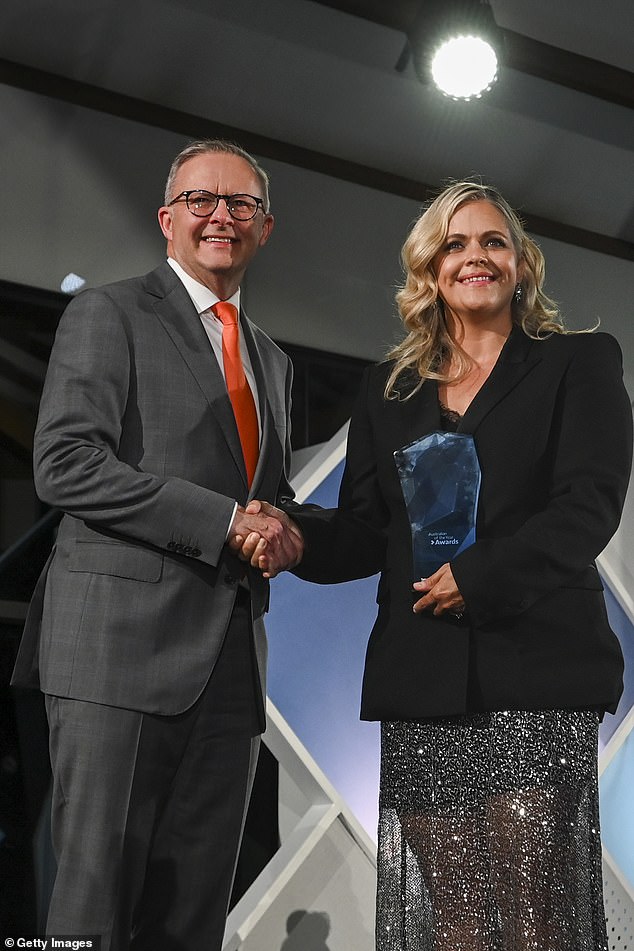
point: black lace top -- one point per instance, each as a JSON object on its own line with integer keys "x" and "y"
{"x": 449, "y": 418}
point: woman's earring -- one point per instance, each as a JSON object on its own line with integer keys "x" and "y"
{"x": 519, "y": 293}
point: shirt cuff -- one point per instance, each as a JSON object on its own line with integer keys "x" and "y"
{"x": 233, "y": 515}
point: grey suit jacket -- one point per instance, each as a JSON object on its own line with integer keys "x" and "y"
{"x": 136, "y": 442}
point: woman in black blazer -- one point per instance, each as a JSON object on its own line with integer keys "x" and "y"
{"x": 490, "y": 676}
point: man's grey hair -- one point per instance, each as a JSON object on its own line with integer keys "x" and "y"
{"x": 203, "y": 147}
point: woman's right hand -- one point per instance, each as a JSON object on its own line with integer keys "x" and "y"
{"x": 440, "y": 593}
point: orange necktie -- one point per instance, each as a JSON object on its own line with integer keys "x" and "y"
{"x": 239, "y": 390}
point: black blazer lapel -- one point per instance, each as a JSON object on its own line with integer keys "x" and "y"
{"x": 518, "y": 357}
{"x": 177, "y": 314}
{"x": 417, "y": 416}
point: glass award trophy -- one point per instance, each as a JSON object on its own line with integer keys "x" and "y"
{"x": 440, "y": 479}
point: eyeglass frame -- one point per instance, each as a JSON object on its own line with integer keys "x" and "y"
{"x": 184, "y": 196}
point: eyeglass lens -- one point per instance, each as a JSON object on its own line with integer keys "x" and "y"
{"x": 202, "y": 203}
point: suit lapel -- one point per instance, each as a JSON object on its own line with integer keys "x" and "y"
{"x": 517, "y": 358}
{"x": 266, "y": 375}
{"x": 417, "y": 416}
{"x": 177, "y": 314}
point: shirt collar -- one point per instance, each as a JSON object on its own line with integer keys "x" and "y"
{"x": 202, "y": 297}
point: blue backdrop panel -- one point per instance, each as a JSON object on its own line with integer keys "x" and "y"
{"x": 317, "y": 641}
{"x": 617, "y": 814}
{"x": 617, "y": 780}
{"x": 622, "y": 626}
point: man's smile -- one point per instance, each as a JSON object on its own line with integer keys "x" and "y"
{"x": 219, "y": 239}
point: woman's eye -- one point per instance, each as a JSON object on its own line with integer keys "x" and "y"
{"x": 497, "y": 242}
{"x": 453, "y": 245}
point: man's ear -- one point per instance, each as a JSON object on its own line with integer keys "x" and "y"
{"x": 165, "y": 221}
{"x": 267, "y": 227}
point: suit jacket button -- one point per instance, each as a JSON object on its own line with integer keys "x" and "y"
{"x": 171, "y": 546}
{"x": 195, "y": 553}
{"x": 186, "y": 550}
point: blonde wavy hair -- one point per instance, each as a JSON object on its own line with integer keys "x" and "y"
{"x": 428, "y": 346}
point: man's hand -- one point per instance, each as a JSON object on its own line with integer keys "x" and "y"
{"x": 266, "y": 537}
{"x": 441, "y": 593}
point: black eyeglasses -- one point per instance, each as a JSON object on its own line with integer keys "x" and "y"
{"x": 202, "y": 203}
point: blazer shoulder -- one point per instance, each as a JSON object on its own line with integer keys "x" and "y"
{"x": 584, "y": 351}
{"x": 376, "y": 377}
{"x": 373, "y": 381}
{"x": 156, "y": 283}
{"x": 589, "y": 342}
{"x": 128, "y": 294}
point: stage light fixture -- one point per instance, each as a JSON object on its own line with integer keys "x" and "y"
{"x": 457, "y": 45}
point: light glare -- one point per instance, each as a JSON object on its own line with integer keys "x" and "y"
{"x": 464, "y": 66}
{"x": 72, "y": 283}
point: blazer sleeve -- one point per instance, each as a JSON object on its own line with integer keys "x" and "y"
{"x": 348, "y": 542}
{"x": 592, "y": 452}
{"x": 77, "y": 464}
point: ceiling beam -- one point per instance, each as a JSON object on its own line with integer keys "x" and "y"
{"x": 521, "y": 53}
{"x": 571, "y": 70}
{"x": 148, "y": 113}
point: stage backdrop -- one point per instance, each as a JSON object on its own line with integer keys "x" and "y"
{"x": 317, "y": 641}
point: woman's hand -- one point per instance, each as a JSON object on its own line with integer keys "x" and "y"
{"x": 267, "y": 538}
{"x": 441, "y": 593}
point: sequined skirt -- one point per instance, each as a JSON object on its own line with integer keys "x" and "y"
{"x": 489, "y": 834}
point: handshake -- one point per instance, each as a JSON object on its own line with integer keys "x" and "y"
{"x": 266, "y": 537}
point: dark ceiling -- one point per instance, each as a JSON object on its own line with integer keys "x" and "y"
{"x": 315, "y": 84}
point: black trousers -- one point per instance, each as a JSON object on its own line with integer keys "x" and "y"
{"x": 148, "y": 811}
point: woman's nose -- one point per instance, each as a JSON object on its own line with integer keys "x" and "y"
{"x": 476, "y": 253}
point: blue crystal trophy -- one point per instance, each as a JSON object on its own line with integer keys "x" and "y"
{"x": 440, "y": 478}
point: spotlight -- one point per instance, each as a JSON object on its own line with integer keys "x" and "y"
{"x": 464, "y": 66}
{"x": 457, "y": 44}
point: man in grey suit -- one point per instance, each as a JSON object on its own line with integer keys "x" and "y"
{"x": 145, "y": 632}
